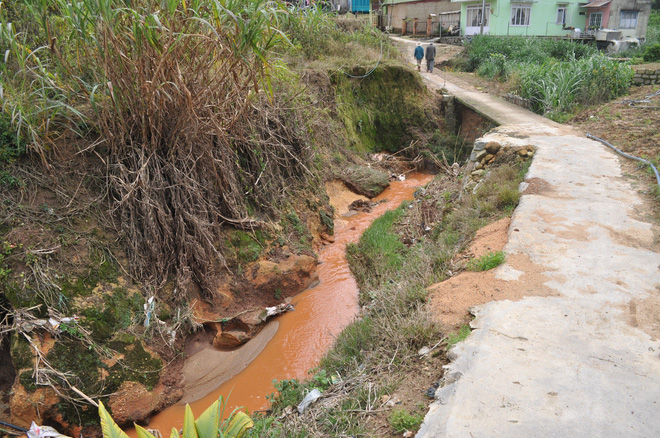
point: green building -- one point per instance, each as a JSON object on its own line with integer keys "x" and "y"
{"x": 554, "y": 18}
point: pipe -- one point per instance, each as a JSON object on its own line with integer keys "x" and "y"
{"x": 13, "y": 426}
{"x": 657, "y": 176}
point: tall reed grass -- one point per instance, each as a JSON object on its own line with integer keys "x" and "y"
{"x": 556, "y": 75}
{"x": 174, "y": 88}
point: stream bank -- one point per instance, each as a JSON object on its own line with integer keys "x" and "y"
{"x": 74, "y": 248}
{"x": 304, "y": 335}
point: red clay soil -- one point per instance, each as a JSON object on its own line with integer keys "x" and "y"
{"x": 452, "y": 299}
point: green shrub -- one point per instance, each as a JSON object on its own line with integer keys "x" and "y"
{"x": 402, "y": 420}
{"x": 11, "y": 145}
{"x": 652, "y": 53}
{"x": 487, "y": 261}
{"x": 518, "y": 49}
{"x": 495, "y": 67}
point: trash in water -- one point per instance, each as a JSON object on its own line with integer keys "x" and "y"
{"x": 308, "y": 400}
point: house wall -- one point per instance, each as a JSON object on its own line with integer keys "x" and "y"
{"x": 605, "y": 10}
{"x": 416, "y": 9}
{"x": 644, "y": 10}
{"x": 542, "y": 18}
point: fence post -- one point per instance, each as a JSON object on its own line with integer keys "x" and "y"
{"x": 415, "y": 27}
{"x": 429, "y": 26}
{"x": 403, "y": 28}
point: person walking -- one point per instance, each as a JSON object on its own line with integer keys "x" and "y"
{"x": 430, "y": 57}
{"x": 419, "y": 55}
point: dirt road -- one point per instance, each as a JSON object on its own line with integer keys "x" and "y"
{"x": 584, "y": 361}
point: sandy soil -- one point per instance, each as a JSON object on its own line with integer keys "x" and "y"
{"x": 208, "y": 368}
{"x": 341, "y": 196}
{"x": 452, "y": 299}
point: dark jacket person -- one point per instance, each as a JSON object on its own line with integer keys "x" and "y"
{"x": 430, "y": 57}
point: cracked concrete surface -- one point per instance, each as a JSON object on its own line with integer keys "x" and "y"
{"x": 583, "y": 363}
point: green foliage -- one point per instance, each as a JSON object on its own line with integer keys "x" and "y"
{"x": 321, "y": 380}
{"x": 351, "y": 346}
{"x": 460, "y": 336}
{"x": 496, "y": 67}
{"x": 316, "y": 34}
{"x": 487, "y": 261}
{"x": 249, "y": 246}
{"x": 289, "y": 393}
{"x": 380, "y": 111}
{"x": 207, "y": 425}
{"x": 496, "y": 50}
{"x": 137, "y": 366}
{"x": 653, "y": 29}
{"x": 6, "y": 250}
{"x": 554, "y": 87}
{"x": 652, "y": 53}
{"x": 557, "y": 76}
{"x": 11, "y": 144}
{"x": 401, "y": 420}
{"x": 310, "y": 30}
{"x": 379, "y": 253}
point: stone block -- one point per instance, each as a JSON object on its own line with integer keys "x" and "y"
{"x": 479, "y": 145}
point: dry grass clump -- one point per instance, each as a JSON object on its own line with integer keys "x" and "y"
{"x": 189, "y": 138}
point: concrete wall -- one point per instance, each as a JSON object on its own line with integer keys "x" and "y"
{"x": 544, "y": 14}
{"x": 542, "y": 21}
{"x": 643, "y": 7}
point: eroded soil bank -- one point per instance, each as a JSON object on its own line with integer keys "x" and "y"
{"x": 304, "y": 335}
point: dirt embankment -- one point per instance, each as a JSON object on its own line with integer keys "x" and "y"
{"x": 452, "y": 299}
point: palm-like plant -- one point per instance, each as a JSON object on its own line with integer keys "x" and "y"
{"x": 207, "y": 425}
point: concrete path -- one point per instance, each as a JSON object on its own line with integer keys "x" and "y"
{"x": 583, "y": 363}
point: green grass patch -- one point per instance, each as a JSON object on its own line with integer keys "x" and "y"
{"x": 380, "y": 253}
{"x": 460, "y": 336}
{"x": 401, "y": 420}
{"x": 490, "y": 260}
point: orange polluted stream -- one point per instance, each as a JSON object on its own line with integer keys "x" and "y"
{"x": 307, "y": 333}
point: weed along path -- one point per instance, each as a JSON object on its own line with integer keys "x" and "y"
{"x": 579, "y": 353}
{"x": 301, "y": 337}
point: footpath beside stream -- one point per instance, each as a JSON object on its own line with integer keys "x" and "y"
{"x": 585, "y": 361}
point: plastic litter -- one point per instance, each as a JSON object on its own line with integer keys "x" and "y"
{"x": 43, "y": 431}
{"x": 149, "y": 308}
{"x": 310, "y": 398}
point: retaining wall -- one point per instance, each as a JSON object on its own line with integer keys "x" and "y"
{"x": 645, "y": 76}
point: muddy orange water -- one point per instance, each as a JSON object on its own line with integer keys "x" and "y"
{"x": 307, "y": 333}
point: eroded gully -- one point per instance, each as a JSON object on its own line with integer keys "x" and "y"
{"x": 305, "y": 335}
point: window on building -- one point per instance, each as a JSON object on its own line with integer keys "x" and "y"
{"x": 520, "y": 14}
{"x": 595, "y": 20}
{"x": 474, "y": 16}
{"x": 561, "y": 15}
{"x": 628, "y": 20}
